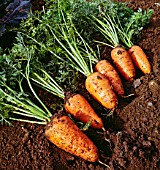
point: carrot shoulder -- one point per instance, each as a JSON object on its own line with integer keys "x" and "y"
{"x": 99, "y": 87}
{"x": 79, "y": 107}
{"x": 105, "y": 68}
{"x": 140, "y": 59}
{"x": 62, "y": 132}
{"x": 123, "y": 62}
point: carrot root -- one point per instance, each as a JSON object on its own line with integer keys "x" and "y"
{"x": 62, "y": 132}
{"x": 123, "y": 62}
{"x": 105, "y": 68}
{"x": 79, "y": 107}
{"x": 99, "y": 87}
{"x": 140, "y": 59}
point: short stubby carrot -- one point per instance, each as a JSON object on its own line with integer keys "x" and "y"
{"x": 65, "y": 134}
{"x": 105, "y": 68}
{"x": 79, "y": 107}
{"x": 99, "y": 87}
{"x": 123, "y": 62}
{"x": 140, "y": 59}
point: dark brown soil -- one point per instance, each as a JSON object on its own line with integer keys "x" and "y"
{"x": 133, "y": 131}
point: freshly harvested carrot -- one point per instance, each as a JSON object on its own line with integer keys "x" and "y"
{"x": 105, "y": 68}
{"x": 140, "y": 59}
{"x": 79, "y": 107}
{"x": 62, "y": 132}
{"x": 76, "y": 104}
{"x": 123, "y": 62}
{"x": 99, "y": 87}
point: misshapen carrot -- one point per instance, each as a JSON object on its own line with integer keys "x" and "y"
{"x": 79, "y": 107}
{"x": 123, "y": 62}
{"x": 99, "y": 87}
{"x": 105, "y": 68}
{"x": 62, "y": 132}
{"x": 140, "y": 59}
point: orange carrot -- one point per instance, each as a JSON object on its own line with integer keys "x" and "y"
{"x": 79, "y": 107}
{"x": 99, "y": 87}
{"x": 105, "y": 68}
{"x": 62, "y": 132}
{"x": 140, "y": 59}
{"x": 123, "y": 62}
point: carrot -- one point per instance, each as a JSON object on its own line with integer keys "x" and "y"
{"x": 63, "y": 133}
{"x": 123, "y": 62}
{"x": 79, "y": 107}
{"x": 140, "y": 59}
{"x": 99, "y": 87}
{"x": 105, "y": 68}
{"x": 76, "y": 104}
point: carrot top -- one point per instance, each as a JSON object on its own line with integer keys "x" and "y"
{"x": 14, "y": 102}
{"x": 108, "y": 30}
{"x": 77, "y": 51}
{"x": 134, "y": 26}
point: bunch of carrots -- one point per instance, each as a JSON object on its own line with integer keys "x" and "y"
{"x": 104, "y": 84}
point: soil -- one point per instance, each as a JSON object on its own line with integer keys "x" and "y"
{"x": 132, "y": 139}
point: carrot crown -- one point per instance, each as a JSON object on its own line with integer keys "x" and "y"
{"x": 134, "y": 26}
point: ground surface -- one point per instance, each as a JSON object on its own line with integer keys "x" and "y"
{"x": 133, "y": 130}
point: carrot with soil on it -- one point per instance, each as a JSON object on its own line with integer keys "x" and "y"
{"x": 105, "y": 68}
{"x": 65, "y": 134}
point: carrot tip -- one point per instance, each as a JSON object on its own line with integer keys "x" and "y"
{"x": 103, "y": 129}
{"x": 104, "y": 164}
{"x": 128, "y": 95}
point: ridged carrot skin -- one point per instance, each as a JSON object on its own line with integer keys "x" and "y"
{"x": 105, "y": 68}
{"x": 64, "y": 133}
{"x": 79, "y": 107}
{"x": 140, "y": 59}
{"x": 99, "y": 87}
{"x": 123, "y": 62}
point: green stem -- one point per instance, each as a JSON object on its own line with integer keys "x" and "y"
{"x": 30, "y": 86}
{"x": 29, "y": 121}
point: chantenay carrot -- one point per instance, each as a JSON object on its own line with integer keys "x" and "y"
{"x": 79, "y": 107}
{"x": 101, "y": 90}
{"x": 140, "y": 59}
{"x": 105, "y": 68}
{"x": 123, "y": 62}
{"x": 65, "y": 134}
{"x": 75, "y": 104}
